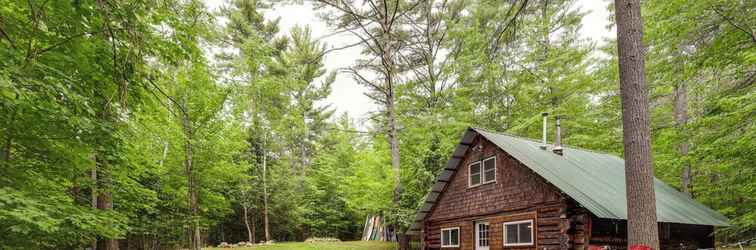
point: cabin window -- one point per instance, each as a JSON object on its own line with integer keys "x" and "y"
{"x": 475, "y": 174}
{"x": 482, "y": 172}
{"x": 518, "y": 233}
{"x": 450, "y": 237}
{"x": 489, "y": 170}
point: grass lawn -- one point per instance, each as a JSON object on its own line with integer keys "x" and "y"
{"x": 345, "y": 245}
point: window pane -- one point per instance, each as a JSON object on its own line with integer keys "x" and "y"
{"x": 525, "y": 232}
{"x": 490, "y": 176}
{"x": 445, "y": 237}
{"x": 511, "y": 231}
{"x": 475, "y": 179}
{"x": 489, "y": 170}
{"x": 490, "y": 164}
{"x": 475, "y": 168}
{"x": 454, "y": 236}
{"x": 483, "y": 235}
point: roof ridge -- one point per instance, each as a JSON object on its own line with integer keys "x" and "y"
{"x": 537, "y": 141}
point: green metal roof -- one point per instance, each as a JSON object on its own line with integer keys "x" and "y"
{"x": 595, "y": 180}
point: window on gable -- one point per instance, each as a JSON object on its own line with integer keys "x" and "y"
{"x": 482, "y": 172}
{"x": 475, "y": 174}
{"x": 489, "y": 170}
{"x": 518, "y": 233}
{"x": 450, "y": 237}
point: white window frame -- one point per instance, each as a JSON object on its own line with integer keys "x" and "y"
{"x": 482, "y": 172}
{"x": 477, "y": 233}
{"x": 469, "y": 174}
{"x": 532, "y": 233}
{"x": 449, "y": 229}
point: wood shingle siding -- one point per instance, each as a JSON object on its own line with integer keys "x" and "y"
{"x": 517, "y": 194}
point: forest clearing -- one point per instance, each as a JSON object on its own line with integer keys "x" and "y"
{"x": 377, "y": 124}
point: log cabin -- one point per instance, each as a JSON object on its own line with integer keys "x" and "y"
{"x": 500, "y": 191}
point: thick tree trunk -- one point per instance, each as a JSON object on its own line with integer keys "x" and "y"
{"x": 101, "y": 195}
{"x": 641, "y": 202}
{"x": 681, "y": 120}
{"x": 387, "y": 60}
{"x": 394, "y": 141}
{"x": 265, "y": 194}
{"x": 195, "y": 239}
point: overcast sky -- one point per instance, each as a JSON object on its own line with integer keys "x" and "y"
{"x": 347, "y": 96}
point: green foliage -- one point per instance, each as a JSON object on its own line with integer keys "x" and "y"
{"x": 106, "y": 87}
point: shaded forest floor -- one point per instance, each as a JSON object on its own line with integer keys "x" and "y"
{"x": 345, "y": 245}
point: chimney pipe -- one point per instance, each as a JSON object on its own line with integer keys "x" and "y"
{"x": 558, "y": 140}
{"x": 545, "y": 119}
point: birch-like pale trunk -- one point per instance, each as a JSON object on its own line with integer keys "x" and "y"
{"x": 265, "y": 192}
{"x": 246, "y": 223}
{"x": 681, "y": 120}
{"x": 93, "y": 176}
{"x": 195, "y": 239}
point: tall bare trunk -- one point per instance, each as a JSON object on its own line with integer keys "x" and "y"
{"x": 303, "y": 151}
{"x": 105, "y": 199}
{"x": 165, "y": 154}
{"x": 93, "y": 176}
{"x": 681, "y": 120}
{"x": 641, "y": 201}
{"x": 265, "y": 192}
{"x": 387, "y": 60}
{"x": 546, "y": 49}
{"x": 246, "y": 223}
{"x": 7, "y": 147}
{"x": 8, "y": 144}
{"x": 253, "y": 232}
{"x": 195, "y": 238}
{"x": 394, "y": 141}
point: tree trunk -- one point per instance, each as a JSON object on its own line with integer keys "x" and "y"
{"x": 7, "y": 147}
{"x": 93, "y": 175}
{"x": 681, "y": 120}
{"x": 303, "y": 153}
{"x": 265, "y": 193}
{"x": 165, "y": 154}
{"x": 101, "y": 197}
{"x": 641, "y": 202}
{"x": 546, "y": 46}
{"x": 388, "y": 63}
{"x": 394, "y": 141}
{"x": 246, "y": 223}
{"x": 194, "y": 238}
{"x": 8, "y": 144}
{"x": 254, "y": 232}
{"x": 105, "y": 200}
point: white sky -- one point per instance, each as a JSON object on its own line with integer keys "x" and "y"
{"x": 347, "y": 96}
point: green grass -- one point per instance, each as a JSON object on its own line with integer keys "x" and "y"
{"x": 345, "y": 245}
